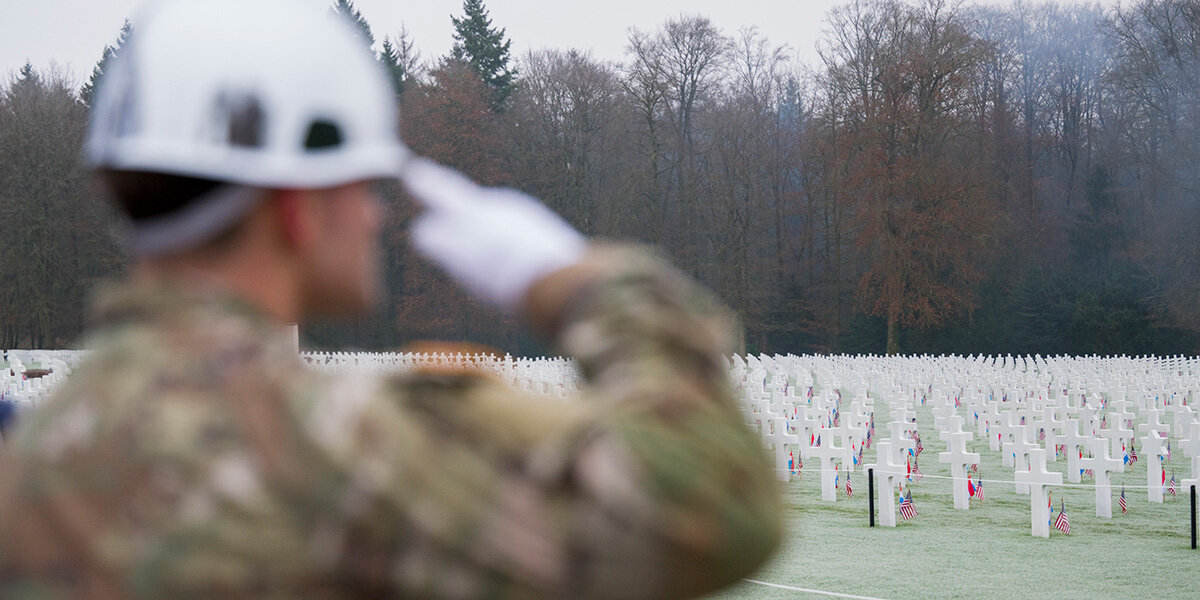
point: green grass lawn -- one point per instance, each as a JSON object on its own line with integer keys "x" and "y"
{"x": 986, "y": 552}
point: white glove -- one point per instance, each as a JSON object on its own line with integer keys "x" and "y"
{"x": 495, "y": 241}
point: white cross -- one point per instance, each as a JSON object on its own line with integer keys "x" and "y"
{"x": 1087, "y": 419}
{"x": 900, "y": 442}
{"x": 1072, "y": 441}
{"x": 1036, "y": 479}
{"x": 1120, "y": 406}
{"x": 1004, "y": 433}
{"x": 1191, "y": 449}
{"x": 891, "y": 473}
{"x": 1152, "y": 447}
{"x": 1116, "y": 433}
{"x": 780, "y": 438}
{"x": 1182, "y": 418}
{"x": 1018, "y": 450}
{"x": 1053, "y": 429}
{"x": 827, "y": 452}
{"x": 1103, "y": 466}
{"x": 959, "y": 459}
{"x": 1153, "y": 421}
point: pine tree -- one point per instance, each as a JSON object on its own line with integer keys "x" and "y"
{"x": 347, "y": 10}
{"x": 485, "y": 49}
{"x": 27, "y": 75}
{"x": 88, "y": 91}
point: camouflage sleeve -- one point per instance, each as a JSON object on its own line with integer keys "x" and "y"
{"x": 674, "y": 462}
{"x": 646, "y": 487}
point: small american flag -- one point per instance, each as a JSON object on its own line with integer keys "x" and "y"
{"x": 977, "y": 489}
{"x": 1061, "y": 523}
{"x": 1132, "y": 454}
{"x": 849, "y": 490}
{"x": 916, "y": 472}
{"x": 975, "y": 468}
{"x": 1171, "y": 489}
{"x": 1041, "y": 435}
{"x": 907, "y": 509}
{"x": 1124, "y": 507}
{"x": 920, "y": 447}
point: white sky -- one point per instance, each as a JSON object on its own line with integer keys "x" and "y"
{"x": 72, "y": 33}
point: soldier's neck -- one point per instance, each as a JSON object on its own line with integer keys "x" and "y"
{"x": 253, "y": 277}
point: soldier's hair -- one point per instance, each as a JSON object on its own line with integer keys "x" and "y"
{"x": 144, "y": 195}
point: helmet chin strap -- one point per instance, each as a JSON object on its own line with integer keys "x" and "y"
{"x": 202, "y": 219}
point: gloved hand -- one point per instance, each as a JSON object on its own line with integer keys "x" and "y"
{"x": 496, "y": 242}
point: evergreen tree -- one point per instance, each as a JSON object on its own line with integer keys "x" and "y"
{"x": 27, "y": 75}
{"x": 482, "y": 46}
{"x": 346, "y": 9}
{"x": 89, "y": 89}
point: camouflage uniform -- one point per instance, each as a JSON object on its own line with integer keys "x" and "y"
{"x": 193, "y": 456}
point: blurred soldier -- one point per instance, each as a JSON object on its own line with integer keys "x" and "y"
{"x": 193, "y": 455}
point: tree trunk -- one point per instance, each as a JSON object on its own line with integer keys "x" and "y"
{"x": 893, "y": 334}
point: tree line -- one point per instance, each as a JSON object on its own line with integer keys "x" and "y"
{"x": 947, "y": 178}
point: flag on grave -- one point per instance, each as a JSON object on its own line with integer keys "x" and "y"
{"x": 970, "y": 488}
{"x": 916, "y": 472}
{"x": 1124, "y": 507}
{"x": 1171, "y": 490}
{"x": 920, "y": 447}
{"x": 907, "y": 509}
{"x": 849, "y": 490}
{"x": 1132, "y": 454}
{"x": 1125, "y": 458}
{"x": 1061, "y": 523}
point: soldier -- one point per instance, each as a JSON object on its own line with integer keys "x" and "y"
{"x": 193, "y": 456}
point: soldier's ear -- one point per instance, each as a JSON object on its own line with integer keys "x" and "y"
{"x": 295, "y": 214}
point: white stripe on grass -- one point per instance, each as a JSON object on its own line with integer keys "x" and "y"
{"x": 808, "y": 591}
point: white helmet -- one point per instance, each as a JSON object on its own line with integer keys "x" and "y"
{"x": 263, "y": 93}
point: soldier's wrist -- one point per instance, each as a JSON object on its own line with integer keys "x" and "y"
{"x": 549, "y": 300}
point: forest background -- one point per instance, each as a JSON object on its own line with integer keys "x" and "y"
{"x": 948, "y": 178}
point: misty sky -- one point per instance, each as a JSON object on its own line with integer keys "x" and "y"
{"x": 72, "y": 33}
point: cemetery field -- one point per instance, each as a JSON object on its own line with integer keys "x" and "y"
{"x": 987, "y": 551}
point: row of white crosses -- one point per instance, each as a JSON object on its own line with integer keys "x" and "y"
{"x": 1074, "y": 420}
{"x": 16, "y": 387}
